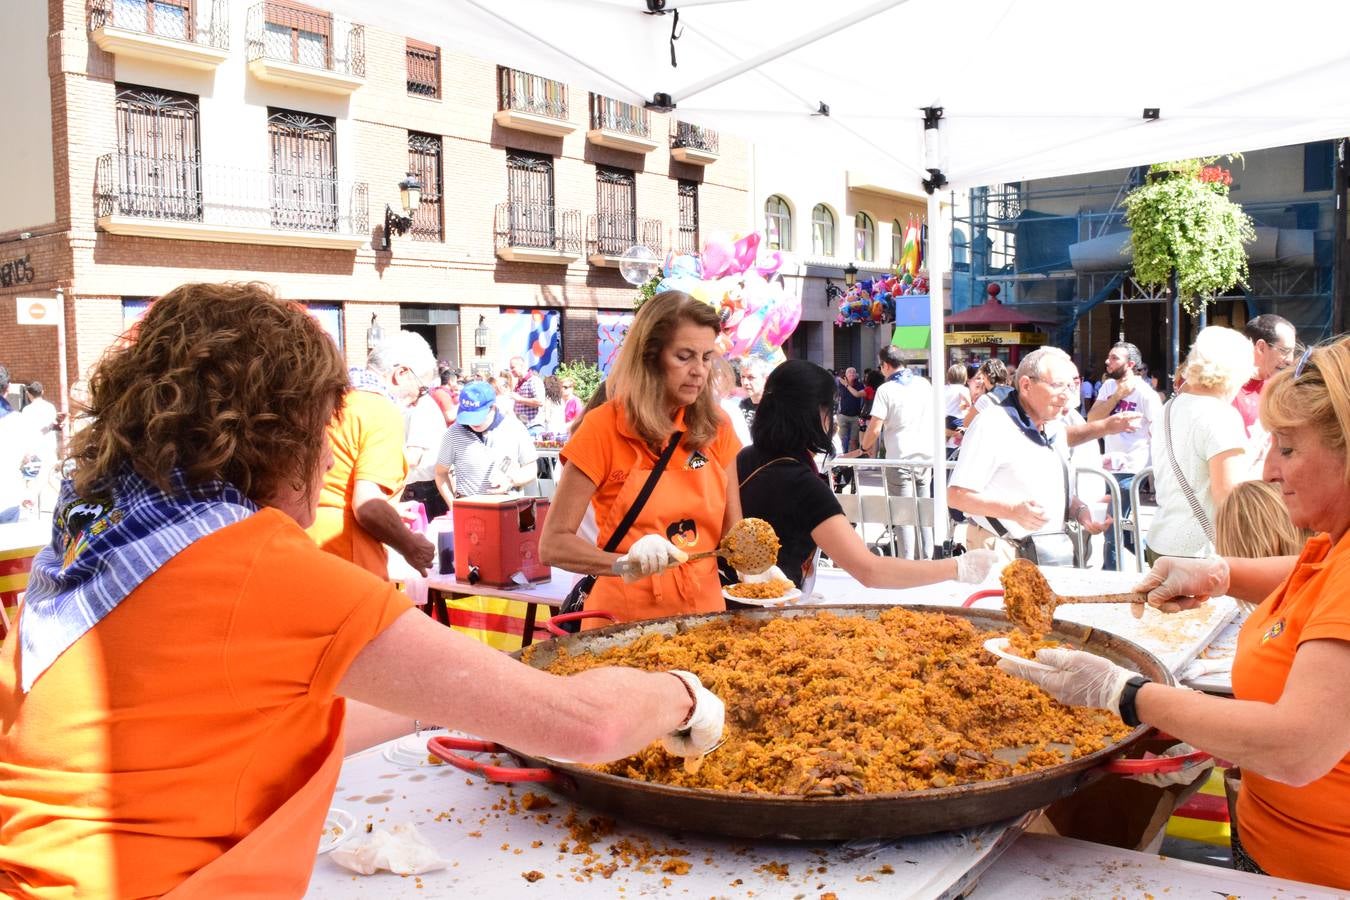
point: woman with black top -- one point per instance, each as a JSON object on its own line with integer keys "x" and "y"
{"x": 779, "y": 482}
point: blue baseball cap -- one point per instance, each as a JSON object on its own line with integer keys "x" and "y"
{"x": 476, "y": 402}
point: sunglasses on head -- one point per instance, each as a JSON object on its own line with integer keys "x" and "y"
{"x": 1303, "y": 362}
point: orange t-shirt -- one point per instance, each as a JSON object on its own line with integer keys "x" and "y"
{"x": 185, "y": 717}
{"x": 367, "y": 441}
{"x": 687, "y": 506}
{"x": 1296, "y": 832}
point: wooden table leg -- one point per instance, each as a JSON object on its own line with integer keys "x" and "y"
{"x": 438, "y": 610}
{"x": 527, "y": 637}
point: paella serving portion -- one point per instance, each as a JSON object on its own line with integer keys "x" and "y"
{"x": 836, "y": 705}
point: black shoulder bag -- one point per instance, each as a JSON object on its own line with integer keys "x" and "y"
{"x": 576, "y": 598}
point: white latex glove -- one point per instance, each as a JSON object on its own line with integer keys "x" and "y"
{"x": 1078, "y": 678}
{"x": 1176, "y": 583}
{"x": 974, "y": 566}
{"x": 648, "y": 555}
{"x": 703, "y": 729}
{"x": 1193, "y": 771}
{"x": 773, "y": 573}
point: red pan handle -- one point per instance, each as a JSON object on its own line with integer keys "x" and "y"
{"x": 1157, "y": 765}
{"x": 444, "y": 746}
{"x": 554, "y": 621}
{"x": 980, "y": 595}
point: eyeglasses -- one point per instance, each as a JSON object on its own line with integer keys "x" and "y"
{"x": 1302, "y": 362}
{"x": 1057, "y": 387}
{"x": 1285, "y": 352}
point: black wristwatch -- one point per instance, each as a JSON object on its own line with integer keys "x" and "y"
{"x": 1128, "y": 714}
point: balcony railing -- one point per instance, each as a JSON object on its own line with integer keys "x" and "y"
{"x": 610, "y": 234}
{"x": 538, "y": 226}
{"x": 187, "y": 191}
{"x": 615, "y": 115}
{"x": 205, "y": 22}
{"x": 686, "y": 239}
{"x": 315, "y": 40}
{"x": 694, "y": 137}
{"x": 523, "y": 92}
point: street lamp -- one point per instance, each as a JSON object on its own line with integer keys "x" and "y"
{"x": 410, "y": 195}
{"x": 850, "y": 274}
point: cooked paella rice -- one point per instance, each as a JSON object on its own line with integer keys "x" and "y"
{"x": 1027, "y": 597}
{"x": 760, "y": 590}
{"x": 829, "y": 705}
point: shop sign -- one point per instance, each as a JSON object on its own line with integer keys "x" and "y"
{"x": 1024, "y": 338}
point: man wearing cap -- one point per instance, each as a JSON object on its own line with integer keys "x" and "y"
{"x": 485, "y": 451}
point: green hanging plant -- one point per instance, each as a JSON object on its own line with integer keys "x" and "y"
{"x": 647, "y": 290}
{"x": 1182, "y": 219}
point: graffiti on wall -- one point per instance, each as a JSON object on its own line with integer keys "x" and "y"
{"x": 535, "y": 334}
{"x": 612, "y": 327}
{"x": 16, "y": 271}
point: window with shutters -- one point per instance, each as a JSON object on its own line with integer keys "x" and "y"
{"x": 297, "y": 33}
{"x": 616, "y": 210}
{"x": 532, "y": 217}
{"x": 687, "y": 237}
{"x": 424, "y": 69}
{"x": 897, "y": 241}
{"x": 303, "y": 171}
{"x": 159, "y": 166}
{"x": 162, "y": 18}
{"x": 424, "y": 161}
{"x": 864, "y": 238}
{"x": 822, "y": 231}
{"x": 777, "y": 223}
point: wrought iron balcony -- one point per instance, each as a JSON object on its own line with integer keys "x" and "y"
{"x": 686, "y": 240}
{"x": 623, "y": 126}
{"x": 303, "y": 48}
{"x": 693, "y": 143}
{"x": 187, "y": 200}
{"x": 537, "y": 232}
{"x": 609, "y": 235}
{"x": 532, "y": 103}
{"x": 192, "y": 35}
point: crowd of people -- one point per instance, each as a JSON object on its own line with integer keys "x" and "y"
{"x": 231, "y": 467}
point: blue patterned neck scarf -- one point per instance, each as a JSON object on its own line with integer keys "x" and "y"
{"x": 102, "y": 549}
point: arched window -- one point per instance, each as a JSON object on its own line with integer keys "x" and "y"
{"x": 777, "y": 223}
{"x": 864, "y": 238}
{"x": 897, "y": 241}
{"x": 822, "y": 231}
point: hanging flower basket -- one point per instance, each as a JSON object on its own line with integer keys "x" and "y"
{"x": 1181, "y": 219}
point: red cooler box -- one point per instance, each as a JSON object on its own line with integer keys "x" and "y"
{"x": 497, "y": 538}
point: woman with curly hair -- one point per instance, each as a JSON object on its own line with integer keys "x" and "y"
{"x": 172, "y": 710}
{"x": 661, "y": 397}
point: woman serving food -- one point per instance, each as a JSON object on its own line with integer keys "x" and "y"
{"x": 661, "y": 403}
{"x": 1287, "y": 727}
{"x": 172, "y": 705}
{"x": 779, "y": 482}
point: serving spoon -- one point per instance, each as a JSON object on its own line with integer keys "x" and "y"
{"x": 750, "y": 546}
{"x": 1031, "y": 604}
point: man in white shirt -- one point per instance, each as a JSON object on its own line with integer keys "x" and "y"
{"x": 1125, "y": 390}
{"x": 1012, "y": 461}
{"x": 904, "y": 419}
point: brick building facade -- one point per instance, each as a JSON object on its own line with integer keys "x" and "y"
{"x": 229, "y": 140}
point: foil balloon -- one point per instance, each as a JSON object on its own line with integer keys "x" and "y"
{"x": 780, "y": 327}
{"x": 719, "y": 257}
{"x": 745, "y": 250}
{"x": 768, "y": 264}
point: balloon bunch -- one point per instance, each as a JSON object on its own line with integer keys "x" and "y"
{"x": 872, "y": 302}
{"x": 742, "y": 284}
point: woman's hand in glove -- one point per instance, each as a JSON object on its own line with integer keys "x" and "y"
{"x": 1076, "y": 678}
{"x": 1176, "y": 583}
{"x": 1191, "y": 771}
{"x": 648, "y": 555}
{"x": 974, "y": 566}
{"x": 702, "y": 731}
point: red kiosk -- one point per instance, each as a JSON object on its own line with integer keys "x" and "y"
{"x": 992, "y": 330}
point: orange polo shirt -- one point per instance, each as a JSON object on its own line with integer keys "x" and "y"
{"x": 367, "y": 442}
{"x": 185, "y": 717}
{"x": 1297, "y": 832}
{"x": 687, "y": 507}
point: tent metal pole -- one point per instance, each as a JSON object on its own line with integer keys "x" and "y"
{"x": 804, "y": 40}
{"x": 937, "y": 371}
{"x": 1173, "y": 327}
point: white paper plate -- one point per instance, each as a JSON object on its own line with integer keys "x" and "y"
{"x": 337, "y": 827}
{"x": 790, "y": 597}
{"x": 999, "y": 647}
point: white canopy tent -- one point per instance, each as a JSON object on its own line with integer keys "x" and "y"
{"x": 1026, "y": 88}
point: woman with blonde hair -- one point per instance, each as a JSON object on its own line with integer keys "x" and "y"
{"x": 173, "y": 705}
{"x": 662, "y": 416}
{"x": 1198, "y": 447}
{"x": 1254, "y": 522}
{"x": 1287, "y": 725}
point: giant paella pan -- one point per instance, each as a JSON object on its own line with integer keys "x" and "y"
{"x": 810, "y": 813}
